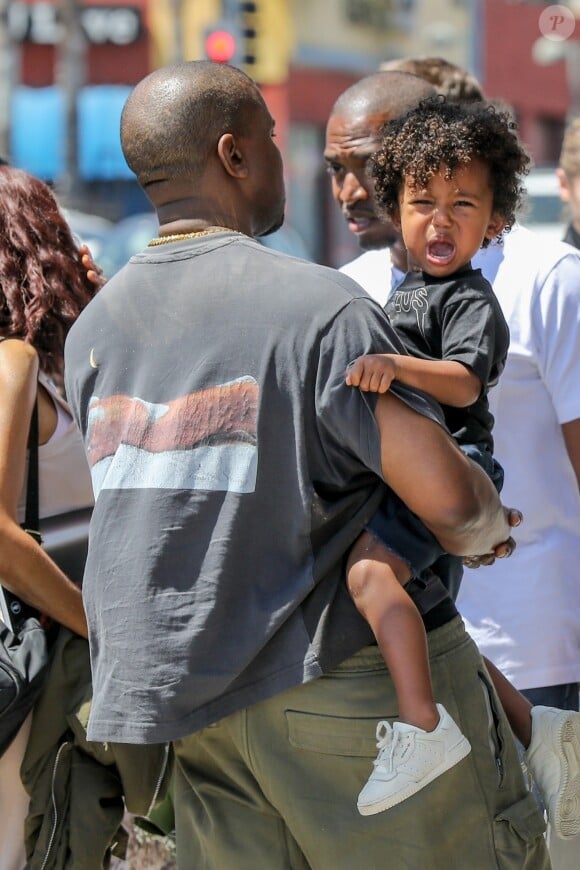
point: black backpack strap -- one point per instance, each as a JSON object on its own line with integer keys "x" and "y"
{"x": 31, "y": 518}
{"x": 18, "y": 611}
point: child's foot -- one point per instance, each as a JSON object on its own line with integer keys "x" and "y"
{"x": 553, "y": 759}
{"x": 410, "y": 758}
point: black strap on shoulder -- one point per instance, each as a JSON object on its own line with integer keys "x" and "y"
{"x": 17, "y": 611}
{"x": 31, "y": 518}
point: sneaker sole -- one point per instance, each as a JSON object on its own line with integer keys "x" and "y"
{"x": 460, "y": 751}
{"x": 565, "y": 813}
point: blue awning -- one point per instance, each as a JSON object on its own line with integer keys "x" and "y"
{"x": 38, "y": 132}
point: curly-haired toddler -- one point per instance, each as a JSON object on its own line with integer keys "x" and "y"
{"x": 450, "y": 176}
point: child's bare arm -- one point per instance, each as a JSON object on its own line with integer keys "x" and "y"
{"x": 450, "y": 382}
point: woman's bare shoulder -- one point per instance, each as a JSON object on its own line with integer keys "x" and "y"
{"x": 18, "y": 359}
{"x": 17, "y": 349}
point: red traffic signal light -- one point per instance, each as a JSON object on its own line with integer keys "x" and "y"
{"x": 220, "y": 46}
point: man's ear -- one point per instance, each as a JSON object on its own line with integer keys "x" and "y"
{"x": 231, "y": 156}
{"x": 495, "y": 226}
{"x": 396, "y": 219}
{"x": 564, "y": 188}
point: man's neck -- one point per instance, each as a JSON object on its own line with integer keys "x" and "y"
{"x": 573, "y": 235}
{"x": 190, "y": 213}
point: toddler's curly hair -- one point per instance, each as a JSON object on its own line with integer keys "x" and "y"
{"x": 437, "y": 133}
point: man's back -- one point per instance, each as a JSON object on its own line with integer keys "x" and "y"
{"x": 218, "y": 367}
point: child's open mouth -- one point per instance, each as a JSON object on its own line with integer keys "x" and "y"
{"x": 440, "y": 252}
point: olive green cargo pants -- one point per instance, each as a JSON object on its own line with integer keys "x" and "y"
{"x": 274, "y": 787}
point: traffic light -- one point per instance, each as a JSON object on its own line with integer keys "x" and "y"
{"x": 255, "y": 36}
{"x": 222, "y": 43}
{"x": 247, "y": 13}
{"x": 231, "y": 39}
{"x": 268, "y": 33}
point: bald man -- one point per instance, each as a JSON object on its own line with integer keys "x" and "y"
{"x": 353, "y": 133}
{"x": 233, "y": 468}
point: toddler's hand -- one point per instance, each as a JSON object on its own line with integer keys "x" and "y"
{"x": 372, "y": 373}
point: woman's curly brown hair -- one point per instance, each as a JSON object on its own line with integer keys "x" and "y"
{"x": 43, "y": 285}
{"x": 438, "y": 132}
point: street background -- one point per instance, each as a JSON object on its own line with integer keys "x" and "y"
{"x": 67, "y": 66}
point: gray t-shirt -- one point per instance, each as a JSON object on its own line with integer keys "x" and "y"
{"x": 233, "y": 469}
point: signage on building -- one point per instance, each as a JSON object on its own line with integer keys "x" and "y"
{"x": 39, "y": 23}
{"x": 380, "y": 14}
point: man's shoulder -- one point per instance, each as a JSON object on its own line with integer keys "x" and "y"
{"x": 522, "y": 238}
{"x": 304, "y": 288}
{"x": 315, "y": 282}
{"x": 525, "y": 260}
{"x": 379, "y": 257}
{"x": 526, "y": 249}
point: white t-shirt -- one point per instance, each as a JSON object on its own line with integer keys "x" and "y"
{"x": 524, "y": 612}
{"x": 375, "y": 272}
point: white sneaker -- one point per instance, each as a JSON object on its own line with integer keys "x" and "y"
{"x": 410, "y": 758}
{"x": 553, "y": 759}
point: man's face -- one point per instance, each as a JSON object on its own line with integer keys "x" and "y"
{"x": 570, "y": 194}
{"x": 350, "y": 141}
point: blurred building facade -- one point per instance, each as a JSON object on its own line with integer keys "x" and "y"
{"x": 305, "y": 53}
{"x": 93, "y": 52}
{"x": 537, "y": 74}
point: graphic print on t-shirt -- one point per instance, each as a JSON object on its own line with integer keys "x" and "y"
{"x": 413, "y": 300}
{"x": 206, "y": 440}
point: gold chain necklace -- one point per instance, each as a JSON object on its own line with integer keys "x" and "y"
{"x": 178, "y": 237}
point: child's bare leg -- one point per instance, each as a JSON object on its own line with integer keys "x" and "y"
{"x": 425, "y": 742}
{"x": 375, "y": 577}
{"x": 517, "y": 707}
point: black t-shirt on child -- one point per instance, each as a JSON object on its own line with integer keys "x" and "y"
{"x": 456, "y": 318}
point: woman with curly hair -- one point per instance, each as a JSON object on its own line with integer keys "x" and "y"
{"x": 450, "y": 177}
{"x": 43, "y": 288}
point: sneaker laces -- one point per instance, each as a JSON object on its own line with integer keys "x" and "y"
{"x": 384, "y": 736}
{"x": 399, "y": 746}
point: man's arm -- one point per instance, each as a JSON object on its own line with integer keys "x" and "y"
{"x": 571, "y": 433}
{"x": 452, "y": 496}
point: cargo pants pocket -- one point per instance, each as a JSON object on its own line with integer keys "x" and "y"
{"x": 518, "y": 835}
